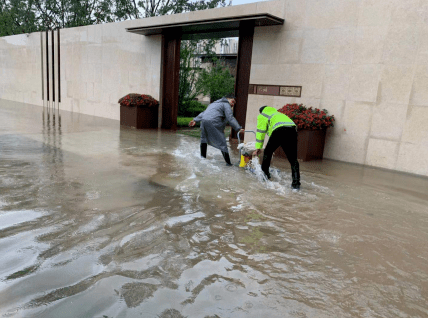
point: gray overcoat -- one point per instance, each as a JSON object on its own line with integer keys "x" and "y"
{"x": 213, "y": 121}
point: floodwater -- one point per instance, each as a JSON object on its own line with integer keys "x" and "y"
{"x": 102, "y": 221}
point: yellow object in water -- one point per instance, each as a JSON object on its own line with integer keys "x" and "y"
{"x": 244, "y": 161}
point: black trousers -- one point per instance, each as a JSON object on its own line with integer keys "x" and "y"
{"x": 286, "y": 137}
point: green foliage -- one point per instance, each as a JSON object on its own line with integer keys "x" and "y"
{"x": 17, "y": 17}
{"x": 164, "y": 7}
{"x": 190, "y": 69}
{"x": 25, "y": 16}
{"x": 216, "y": 81}
{"x": 191, "y": 108}
{"x": 184, "y": 121}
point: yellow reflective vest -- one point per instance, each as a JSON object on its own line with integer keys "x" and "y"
{"x": 269, "y": 120}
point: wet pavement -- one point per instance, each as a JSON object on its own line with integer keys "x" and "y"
{"x": 102, "y": 221}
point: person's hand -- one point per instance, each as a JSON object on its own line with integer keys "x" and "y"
{"x": 257, "y": 152}
{"x": 192, "y": 123}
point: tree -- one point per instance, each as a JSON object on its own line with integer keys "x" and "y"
{"x": 190, "y": 67}
{"x": 216, "y": 81}
{"x": 17, "y": 17}
{"x": 24, "y": 16}
{"x": 151, "y": 8}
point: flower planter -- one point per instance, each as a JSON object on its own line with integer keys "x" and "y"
{"x": 139, "y": 111}
{"x": 139, "y": 117}
{"x": 310, "y": 145}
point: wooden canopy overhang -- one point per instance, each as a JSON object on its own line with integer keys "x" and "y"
{"x": 209, "y": 28}
{"x": 241, "y": 26}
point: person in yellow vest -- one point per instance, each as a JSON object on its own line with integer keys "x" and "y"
{"x": 283, "y": 132}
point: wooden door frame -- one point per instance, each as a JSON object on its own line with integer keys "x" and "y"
{"x": 170, "y": 69}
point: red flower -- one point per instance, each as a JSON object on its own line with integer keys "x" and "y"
{"x": 307, "y": 118}
{"x": 138, "y": 100}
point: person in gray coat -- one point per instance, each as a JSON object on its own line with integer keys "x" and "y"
{"x": 213, "y": 121}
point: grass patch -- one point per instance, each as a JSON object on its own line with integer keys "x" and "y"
{"x": 184, "y": 121}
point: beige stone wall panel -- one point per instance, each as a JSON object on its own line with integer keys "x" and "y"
{"x": 408, "y": 12}
{"x": 357, "y": 118}
{"x": 345, "y": 147}
{"x": 312, "y": 76}
{"x": 382, "y": 153}
{"x": 419, "y": 93}
{"x": 275, "y": 74}
{"x": 396, "y": 83}
{"x": 375, "y": 12}
{"x": 315, "y": 46}
{"x": 416, "y": 128}
{"x": 95, "y": 53}
{"x": 340, "y": 48}
{"x": 266, "y": 45}
{"x": 280, "y": 101}
{"x": 413, "y": 158}
{"x": 95, "y": 34}
{"x": 277, "y": 6}
{"x": 336, "y": 81}
{"x": 364, "y": 82}
{"x": 388, "y": 121}
{"x": 335, "y": 107}
{"x": 369, "y": 44}
{"x": 295, "y": 14}
{"x": 331, "y": 14}
{"x": 291, "y": 46}
{"x": 402, "y": 44}
{"x": 423, "y": 45}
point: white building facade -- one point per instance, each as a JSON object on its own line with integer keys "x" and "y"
{"x": 365, "y": 61}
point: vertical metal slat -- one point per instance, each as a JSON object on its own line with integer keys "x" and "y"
{"x": 47, "y": 64}
{"x": 41, "y": 57}
{"x": 53, "y": 65}
{"x": 59, "y": 68}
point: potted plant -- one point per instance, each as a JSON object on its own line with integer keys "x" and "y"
{"x": 312, "y": 124}
{"x": 139, "y": 111}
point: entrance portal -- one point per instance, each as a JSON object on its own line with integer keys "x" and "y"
{"x": 173, "y": 33}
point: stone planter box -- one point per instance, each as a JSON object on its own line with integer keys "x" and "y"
{"x": 139, "y": 117}
{"x": 310, "y": 145}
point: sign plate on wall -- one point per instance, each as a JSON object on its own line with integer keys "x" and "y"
{"x": 267, "y": 90}
{"x": 293, "y": 91}
{"x": 275, "y": 90}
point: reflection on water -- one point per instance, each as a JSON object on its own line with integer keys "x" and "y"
{"x": 102, "y": 221}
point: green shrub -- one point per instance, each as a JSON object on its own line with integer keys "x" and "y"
{"x": 191, "y": 108}
{"x": 184, "y": 121}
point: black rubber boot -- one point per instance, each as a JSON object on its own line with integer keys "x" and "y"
{"x": 204, "y": 150}
{"x": 226, "y": 158}
{"x": 267, "y": 174}
{"x": 295, "y": 174}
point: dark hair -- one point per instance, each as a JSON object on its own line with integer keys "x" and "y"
{"x": 230, "y": 96}
{"x": 261, "y": 109}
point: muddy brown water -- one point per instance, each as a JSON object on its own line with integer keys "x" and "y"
{"x": 102, "y": 221}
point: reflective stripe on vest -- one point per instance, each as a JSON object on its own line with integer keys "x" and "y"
{"x": 283, "y": 123}
{"x": 258, "y": 140}
{"x": 267, "y": 116}
{"x": 261, "y": 131}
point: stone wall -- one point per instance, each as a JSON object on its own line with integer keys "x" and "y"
{"x": 99, "y": 64}
{"x": 366, "y": 62}
{"x": 20, "y": 64}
